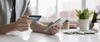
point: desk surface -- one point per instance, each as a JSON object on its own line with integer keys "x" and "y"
{"x": 37, "y": 37}
{"x": 81, "y": 38}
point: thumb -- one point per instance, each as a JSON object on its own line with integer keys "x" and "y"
{"x": 50, "y": 23}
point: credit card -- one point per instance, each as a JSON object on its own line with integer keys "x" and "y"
{"x": 35, "y": 18}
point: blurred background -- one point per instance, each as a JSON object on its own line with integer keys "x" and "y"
{"x": 54, "y": 9}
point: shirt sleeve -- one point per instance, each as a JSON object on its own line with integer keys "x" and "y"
{"x": 28, "y": 7}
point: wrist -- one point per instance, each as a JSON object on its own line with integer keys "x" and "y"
{"x": 13, "y": 26}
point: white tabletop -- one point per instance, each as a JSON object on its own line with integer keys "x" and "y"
{"x": 37, "y": 37}
{"x": 81, "y": 38}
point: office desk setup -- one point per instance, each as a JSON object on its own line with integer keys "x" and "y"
{"x": 59, "y": 37}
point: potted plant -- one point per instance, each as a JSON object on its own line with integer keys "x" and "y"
{"x": 84, "y": 16}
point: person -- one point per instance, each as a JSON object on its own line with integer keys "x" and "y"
{"x": 12, "y": 18}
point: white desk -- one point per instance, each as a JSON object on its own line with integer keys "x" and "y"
{"x": 37, "y": 37}
{"x": 81, "y": 38}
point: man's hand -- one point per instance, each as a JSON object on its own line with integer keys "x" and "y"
{"x": 53, "y": 30}
{"x": 23, "y": 23}
{"x": 40, "y": 28}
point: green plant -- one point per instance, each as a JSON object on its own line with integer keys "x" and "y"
{"x": 83, "y": 14}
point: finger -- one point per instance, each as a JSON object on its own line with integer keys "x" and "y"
{"x": 22, "y": 28}
{"x": 24, "y": 17}
{"x": 58, "y": 27}
{"x": 21, "y": 20}
{"x": 50, "y": 23}
{"x": 53, "y": 32}
{"x": 29, "y": 21}
{"x": 54, "y": 28}
{"x": 24, "y": 20}
{"x": 22, "y": 25}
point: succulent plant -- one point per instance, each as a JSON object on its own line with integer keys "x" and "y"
{"x": 84, "y": 14}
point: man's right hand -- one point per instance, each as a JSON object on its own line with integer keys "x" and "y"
{"x": 23, "y": 23}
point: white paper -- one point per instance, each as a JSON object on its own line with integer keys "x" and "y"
{"x": 23, "y": 35}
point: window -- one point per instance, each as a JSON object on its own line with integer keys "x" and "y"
{"x": 53, "y": 8}
{"x": 91, "y": 4}
{"x": 72, "y": 4}
{"x": 33, "y": 6}
{"x": 49, "y": 6}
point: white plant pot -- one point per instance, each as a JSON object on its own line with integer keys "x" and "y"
{"x": 83, "y": 24}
